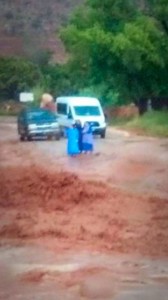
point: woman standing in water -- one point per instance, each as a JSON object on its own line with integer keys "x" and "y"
{"x": 72, "y": 141}
{"x": 87, "y": 138}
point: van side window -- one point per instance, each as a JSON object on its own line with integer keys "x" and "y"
{"x": 62, "y": 108}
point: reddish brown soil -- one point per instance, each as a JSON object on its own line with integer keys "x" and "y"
{"x": 54, "y": 208}
{"x": 39, "y": 204}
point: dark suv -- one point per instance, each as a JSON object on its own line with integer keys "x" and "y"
{"x": 37, "y": 122}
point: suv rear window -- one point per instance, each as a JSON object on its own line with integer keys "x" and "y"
{"x": 40, "y": 115}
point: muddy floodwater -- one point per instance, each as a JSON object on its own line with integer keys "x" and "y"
{"x": 90, "y": 227}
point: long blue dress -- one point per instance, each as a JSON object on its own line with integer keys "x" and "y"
{"x": 72, "y": 141}
{"x": 80, "y": 136}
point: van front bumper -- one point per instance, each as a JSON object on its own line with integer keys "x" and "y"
{"x": 98, "y": 130}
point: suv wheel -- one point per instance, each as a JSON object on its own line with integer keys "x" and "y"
{"x": 29, "y": 138}
{"x": 57, "y": 137}
{"x": 22, "y": 138}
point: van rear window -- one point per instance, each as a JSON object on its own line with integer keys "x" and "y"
{"x": 87, "y": 110}
{"x": 62, "y": 108}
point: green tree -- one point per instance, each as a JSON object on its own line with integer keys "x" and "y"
{"x": 120, "y": 46}
{"x": 17, "y": 74}
{"x": 57, "y": 79}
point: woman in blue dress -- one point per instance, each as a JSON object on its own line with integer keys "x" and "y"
{"x": 72, "y": 141}
{"x": 79, "y": 128}
{"x": 87, "y": 138}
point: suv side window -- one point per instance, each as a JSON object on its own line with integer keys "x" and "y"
{"x": 21, "y": 116}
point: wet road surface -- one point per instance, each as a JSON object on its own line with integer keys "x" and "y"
{"x": 110, "y": 245}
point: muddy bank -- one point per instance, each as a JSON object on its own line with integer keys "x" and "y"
{"x": 40, "y": 205}
{"x": 34, "y": 187}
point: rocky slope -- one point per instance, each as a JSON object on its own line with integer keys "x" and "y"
{"x": 30, "y": 26}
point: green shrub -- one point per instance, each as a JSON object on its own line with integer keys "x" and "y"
{"x": 151, "y": 123}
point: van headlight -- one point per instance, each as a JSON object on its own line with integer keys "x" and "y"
{"x": 104, "y": 124}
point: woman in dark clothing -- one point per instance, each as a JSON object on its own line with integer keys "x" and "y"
{"x": 80, "y": 129}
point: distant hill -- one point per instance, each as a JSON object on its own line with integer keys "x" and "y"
{"x": 30, "y": 26}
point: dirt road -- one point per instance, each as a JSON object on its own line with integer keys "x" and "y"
{"x": 91, "y": 227}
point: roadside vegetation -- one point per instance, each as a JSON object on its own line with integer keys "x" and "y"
{"x": 152, "y": 123}
{"x": 117, "y": 51}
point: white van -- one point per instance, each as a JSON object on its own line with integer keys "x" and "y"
{"x": 85, "y": 109}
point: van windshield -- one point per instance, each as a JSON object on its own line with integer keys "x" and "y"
{"x": 87, "y": 110}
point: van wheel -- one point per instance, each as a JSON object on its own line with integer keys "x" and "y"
{"x": 103, "y": 134}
